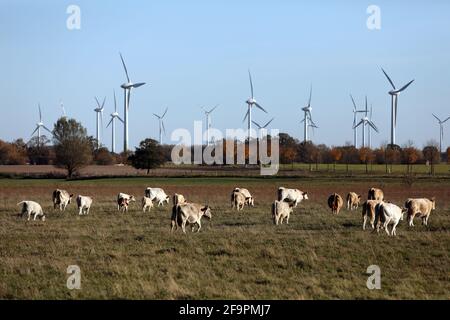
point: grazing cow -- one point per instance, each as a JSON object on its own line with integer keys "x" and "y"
{"x": 248, "y": 196}
{"x": 123, "y": 200}
{"x": 178, "y": 199}
{"x": 368, "y": 211}
{"x": 84, "y": 204}
{"x": 386, "y": 214}
{"x": 335, "y": 202}
{"x": 421, "y": 207}
{"x": 375, "y": 194}
{"x": 292, "y": 195}
{"x": 353, "y": 201}
{"x": 61, "y": 198}
{"x": 239, "y": 200}
{"x": 147, "y": 203}
{"x": 157, "y": 194}
{"x": 281, "y": 210}
{"x": 31, "y": 207}
{"x": 189, "y": 213}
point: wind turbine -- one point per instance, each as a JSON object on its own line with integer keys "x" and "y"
{"x": 62, "y": 108}
{"x": 161, "y": 125}
{"x": 355, "y": 112}
{"x": 307, "y": 118}
{"x": 394, "y": 99}
{"x": 264, "y": 127}
{"x": 366, "y": 121}
{"x": 368, "y": 129}
{"x": 40, "y": 125}
{"x": 208, "y": 122}
{"x": 99, "y": 115}
{"x": 114, "y": 115}
{"x": 127, "y": 88}
{"x": 251, "y": 102}
{"x": 441, "y": 131}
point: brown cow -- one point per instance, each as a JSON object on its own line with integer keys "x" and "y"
{"x": 422, "y": 207}
{"x": 335, "y": 202}
{"x": 353, "y": 201}
{"x": 368, "y": 211}
{"x": 375, "y": 194}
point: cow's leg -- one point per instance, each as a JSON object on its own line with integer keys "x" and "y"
{"x": 287, "y": 219}
{"x": 386, "y": 226}
{"x": 394, "y": 229}
{"x": 199, "y": 225}
{"x": 35, "y": 216}
{"x": 80, "y": 210}
{"x": 183, "y": 226}
{"x": 411, "y": 220}
{"x": 426, "y": 219}
{"x": 364, "y": 222}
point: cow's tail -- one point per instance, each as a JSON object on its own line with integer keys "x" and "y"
{"x": 348, "y": 201}
{"x": 274, "y": 211}
{"x": 174, "y": 220}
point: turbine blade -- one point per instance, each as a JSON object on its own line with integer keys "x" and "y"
{"x": 115, "y": 101}
{"x": 359, "y": 123}
{"x": 165, "y": 112}
{"x": 251, "y": 82}
{"x": 256, "y": 124}
{"x": 164, "y": 128}
{"x": 395, "y": 112}
{"x": 118, "y": 117}
{"x": 246, "y": 115}
{"x": 374, "y": 127}
{"x": 354, "y": 104}
{"x": 98, "y": 103}
{"x": 110, "y": 121}
{"x": 436, "y": 117}
{"x": 40, "y": 113}
{"x": 258, "y": 106}
{"x": 47, "y": 129}
{"x": 446, "y": 120}
{"x": 137, "y": 85}
{"x": 267, "y": 124}
{"x": 125, "y": 67}
{"x": 103, "y": 103}
{"x": 405, "y": 86}
{"x": 35, "y": 131}
{"x": 389, "y": 79}
{"x": 210, "y": 111}
{"x": 310, "y": 96}
{"x": 366, "y": 106}
{"x": 156, "y": 116}
{"x": 128, "y": 99}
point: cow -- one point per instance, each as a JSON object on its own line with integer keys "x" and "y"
{"x": 31, "y": 207}
{"x": 147, "y": 203}
{"x": 84, "y": 204}
{"x": 368, "y": 211}
{"x": 292, "y": 195}
{"x": 335, "y": 202}
{"x": 248, "y": 196}
{"x": 189, "y": 213}
{"x": 375, "y": 194}
{"x": 61, "y": 198}
{"x": 157, "y": 194}
{"x": 123, "y": 200}
{"x": 386, "y": 214}
{"x": 178, "y": 199}
{"x": 239, "y": 200}
{"x": 421, "y": 207}
{"x": 281, "y": 210}
{"x": 353, "y": 201}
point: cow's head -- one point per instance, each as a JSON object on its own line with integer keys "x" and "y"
{"x": 43, "y": 217}
{"x": 433, "y": 203}
{"x": 305, "y": 195}
{"x": 206, "y": 210}
{"x": 132, "y": 198}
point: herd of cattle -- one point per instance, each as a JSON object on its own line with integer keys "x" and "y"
{"x": 380, "y": 213}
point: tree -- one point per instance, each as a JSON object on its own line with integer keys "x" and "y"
{"x": 365, "y": 156}
{"x": 432, "y": 155}
{"x": 12, "y": 153}
{"x": 39, "y": 152}
{"x": 73, "y": 147}
{"x": 336, "y": 154}
{"x": 410, "y": 155}
{"x": 103, "y": 157}
{"x": 149, "y": 155}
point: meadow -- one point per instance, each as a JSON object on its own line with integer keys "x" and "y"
{"x": 235, "y": 255}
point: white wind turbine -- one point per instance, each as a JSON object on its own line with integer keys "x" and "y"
{"x": 114, "y": 115}
{"x": 127, "y": 87}
{"x": 161, "y": 125}
{"x": 441, "y": 130}
{"x": 369, "y": 132}
{"x": 61, "y": 104}
{"x": 307, "y": 118}
{"x": 355, "y": 113}
{"x": 251, "y": 102}
{"x": 264, "y": 127}
{"x": 40, "y": 125}
{"x": 366, "y": 121}
{"x": 99, "y": 115}
{"x": 208, "y": 123}
{"x": 394, "y": 99}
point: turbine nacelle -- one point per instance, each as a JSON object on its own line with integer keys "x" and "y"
{"x": 251, "y": 101}
{"x": 131, "y": 85}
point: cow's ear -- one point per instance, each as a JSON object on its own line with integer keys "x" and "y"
{"x": 71, "y": 195}
{"x": 205, "y": 208}
{"x": 359, "y": 197}
{"x": 305, "y": 193}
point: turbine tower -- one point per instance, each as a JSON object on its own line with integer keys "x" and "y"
{"x": 394, "y": 99}
{"x": 251, "y": 102}
{"x": 114, "y": 115}
{"x": 99, "y": 115}
{"x": 441, "y": 131}
{"x": 40, "y": 125}
{"x": 61, "y": 104}
{"x": 264, "y": 127}
{"x": 369, "y": 132}
{"x": 355, "y": 112}
{"x": 208, "y": 122}
{"x": 307, "y": 118}
{"x": 366, "y": 121}
{"x": 161, "y": 125}
{"x": 127, "y": 88}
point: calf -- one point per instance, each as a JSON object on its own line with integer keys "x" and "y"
{"x": 248, "y": 196}
{"x": 292, "y": 195}
{"x": 386, "y": 214}
{"x": 61, "y": 199}
{"x": 281, "y": 210}
{"x": 335, "y": 202}
{"x": 147, "y": 203}
{"x": 189, "y": 213}
{"x": 368, "y": 211}
{"x": 31, "y": 207}
{"x": 353, "y": 201}
{"x": 123, "y": 200}
{"x": 239, "y": 200}
{"x": 84, "y": 204}
{"x": 157, "y": 194}
{"x": 421, "y": 207}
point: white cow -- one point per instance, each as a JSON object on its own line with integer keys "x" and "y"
{"x": 386, "y": 214}
{"x": 239, "y": 200}
{"x": 189, "y": 213}
{"x": 84, "y": 204}
{"x": 292, "y": 195}
{"x": 157, "y": 194}
{"x": 123, "y": 200}
{"x": 147, "y": 203}
{"x": 281, "y": 210}
{"x": 421, "y": 207}
{"x": 31, "y": 207}
{"x": 249, "y": 200}
{"x": 61, "y": 198}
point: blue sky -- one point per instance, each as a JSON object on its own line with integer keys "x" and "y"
{"x": 196, "y": 53}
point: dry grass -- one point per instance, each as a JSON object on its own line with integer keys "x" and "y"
{"x": 235, "y": 256}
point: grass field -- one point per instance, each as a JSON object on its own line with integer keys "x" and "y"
{"x": 235, "y": 256}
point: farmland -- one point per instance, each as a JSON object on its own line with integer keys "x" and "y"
{"x": 235, "y": 256}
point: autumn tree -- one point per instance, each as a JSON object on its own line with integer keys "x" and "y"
{"x": 336, "y": 155}
{"x": 432, "y": 156}
{"x": 410, "y": 155}
{"x": 149, "y": 155}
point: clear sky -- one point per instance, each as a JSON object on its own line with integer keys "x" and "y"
{"x": 196, "y": 53}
